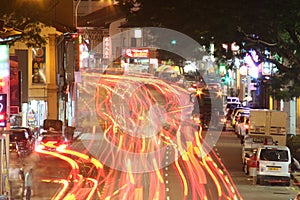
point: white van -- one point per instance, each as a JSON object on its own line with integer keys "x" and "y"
{"x": 273, "y": 164}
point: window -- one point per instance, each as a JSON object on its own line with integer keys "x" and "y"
{"x": 133, "y": 42}
{"x": 274, "y": 155}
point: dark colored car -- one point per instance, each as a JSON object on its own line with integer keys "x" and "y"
{"x": 20, "y": 141}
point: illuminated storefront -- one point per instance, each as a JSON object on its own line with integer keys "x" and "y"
{"x": 136, "y": 59}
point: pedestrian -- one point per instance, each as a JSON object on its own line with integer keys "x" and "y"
{"x": 22, "y": 179}
{"x": 297, "y": 197}
{"x": 28, "y": 183}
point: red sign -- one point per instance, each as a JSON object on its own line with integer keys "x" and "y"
{"x": 137, "y": 53}
{"x": 14, "y": 82}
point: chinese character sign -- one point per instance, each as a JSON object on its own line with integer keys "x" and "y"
{"x": 106, "y": 47}
{"x": 38, "y": 66}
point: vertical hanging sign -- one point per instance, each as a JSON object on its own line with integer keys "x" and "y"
{"x": 38, "y": 65}
{"x": 3, "y": 109}
{"x": 106, "y": 47}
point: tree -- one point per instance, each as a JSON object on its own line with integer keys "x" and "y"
{"x": 253, "y": 25}
{"x": 30, "y": 16}
{"x": 23, "y": 18}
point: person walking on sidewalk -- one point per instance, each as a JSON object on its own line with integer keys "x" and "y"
{"x": 28, "y": 183}
{"x": 22, "y": 179}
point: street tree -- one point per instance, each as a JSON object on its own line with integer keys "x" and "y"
{"x": 20, "y": 16}
{"x": 31, "y": 16}
{"x": 263, "y": 26}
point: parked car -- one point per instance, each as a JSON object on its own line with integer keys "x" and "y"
{"x": 20, "y": 142}
{"x": 249, "y": 149}
{"x": 31, "y": 135}
{"x": 273, "y": 164}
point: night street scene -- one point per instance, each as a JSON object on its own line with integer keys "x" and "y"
{"x": 149, "y": 100}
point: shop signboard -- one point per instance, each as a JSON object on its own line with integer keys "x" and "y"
{"x": 106, "y": 47}
{"x": 39, "y": 65}
{"x": 3, "y": 109}
{"x": 4, "y": 69}
{"x": 267, "y": 69}
{"x": 14, "y": 85}
{"x": 137, "y": 53}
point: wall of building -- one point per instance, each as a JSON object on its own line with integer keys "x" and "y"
{"x": 39, "y": 99}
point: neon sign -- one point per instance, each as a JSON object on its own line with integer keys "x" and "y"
{"x": 137, "y": 53}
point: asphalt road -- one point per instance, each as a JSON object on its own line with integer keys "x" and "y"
{"x": 228, "y": 148}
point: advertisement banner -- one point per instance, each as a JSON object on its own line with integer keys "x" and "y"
{"x": 14, "y": 82}
{"x": 39, "y": 65}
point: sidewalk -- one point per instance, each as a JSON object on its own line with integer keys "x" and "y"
{"x": 296, "y": 177}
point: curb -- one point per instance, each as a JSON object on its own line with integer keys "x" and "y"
{"x": 296, "y": 178}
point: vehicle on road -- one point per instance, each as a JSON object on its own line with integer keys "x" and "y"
{"x": 242, "y": 126}
{"x": 51, "y": 142}
{"x": 237, "y": 113}
{"x": 273, "y": 165}
{"x": 208, "y": 108}
{"x": 228, "y": 110}
{"x": 249, "y": 149}
{"x": 232, "y": 100}
{"x": 269, "y": 122}
{"x": 21, "y": 141}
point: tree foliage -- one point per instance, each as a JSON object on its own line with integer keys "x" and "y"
{"x": 253, "y": 25}
{"x": 26, "y": 17}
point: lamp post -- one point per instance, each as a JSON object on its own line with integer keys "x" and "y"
{"x": 76, "y": 13}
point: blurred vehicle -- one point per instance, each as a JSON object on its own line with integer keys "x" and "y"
{"x": 114, "y": 69}
{"x": 237, "y": 113}
{"x": 51, "y": 142}
{"x": 250, "y": 146}
{"x": 208, "y": 108}
{"x": 214, "y": 86}
{"x": 20, "y": 141}
{"x": 232, "y": 100}
{"x": 273, "y": 164}
{"x": 229, "y": 108}
{"x": 242, "y": 125}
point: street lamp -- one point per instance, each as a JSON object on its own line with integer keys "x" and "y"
{"x": 76, "y": 13}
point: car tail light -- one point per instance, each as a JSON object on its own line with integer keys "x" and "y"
{"x": 257, "y": 165}
{"x": 290, "y": 168}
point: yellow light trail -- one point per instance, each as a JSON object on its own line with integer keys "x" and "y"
{"x": 95, "y": 184}
{"x": 158, "y": 174}
{"x": 65, "y": 184}
{"x": 182, "y": 176}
